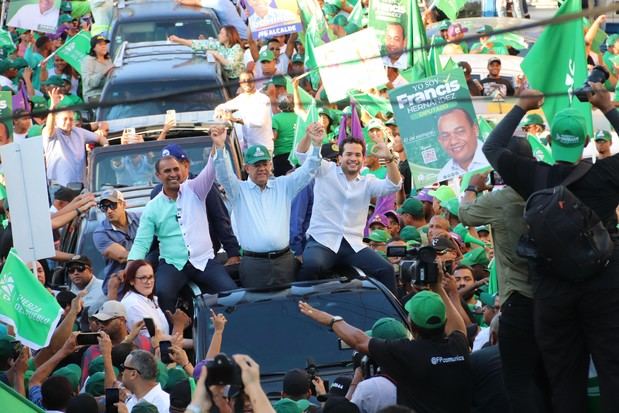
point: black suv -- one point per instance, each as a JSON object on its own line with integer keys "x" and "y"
{"x": 267, "y": 325}
{"x": 166, "y": 76}
{"x": 148, "y": 21}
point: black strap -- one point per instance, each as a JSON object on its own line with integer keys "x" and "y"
{"x": 581, "y": 170}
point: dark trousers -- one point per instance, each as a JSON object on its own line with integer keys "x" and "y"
{"x": 568, "y": 328}
{"x": 170, "y": 281}
{"x": 265, "y": 272}
{"x": 523, "y": 370}
{"x": 318, "y": 261}
{"x": 281, "y": 165}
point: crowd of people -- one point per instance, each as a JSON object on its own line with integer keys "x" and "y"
{"x": 499, "y": 329}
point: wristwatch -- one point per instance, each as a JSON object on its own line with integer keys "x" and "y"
{"x": 334, "y": 320}
{"x": 472, "y": 188}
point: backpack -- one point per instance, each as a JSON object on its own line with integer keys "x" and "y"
{"x": 566, "y": 233}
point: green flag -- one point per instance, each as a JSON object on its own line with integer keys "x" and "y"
{"x": 450, "y": 7}
{"x": 484, "y": 128}
{"x": 372, "y": 104}
{"x": 310, "y": 59}
{"x": 6, "y": 41}
{"x": 75, "y": 50}
{"x": 493, "y": 281}
{"x": 356, "y": 15}
{"x": 314, "y": 21}
{"x": 417, "y": 40}
{"x": 11, "y": 401}
{"x": 564, "y": 45}
{"x": 541, "y": 152}
{"x": 299, "y": 130}
{"x": 26, "y": 304}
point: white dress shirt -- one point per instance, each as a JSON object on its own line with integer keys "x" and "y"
{"x": 255, "y": 110}
{"x": 139, "y": 307}
{"x": 155, "y": 396}
{"x": 261, "y": 218}
{"x": 452, "y": 169}
{"x": 340, "y": 208}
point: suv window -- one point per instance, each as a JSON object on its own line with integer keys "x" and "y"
{"x": 205, "y": 99}
{"x": 279, "y": 337}
{"x": 148, "y": 31}
{"x": 135, "y": 165}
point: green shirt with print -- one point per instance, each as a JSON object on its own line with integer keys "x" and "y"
{"x": 284, "y": 124}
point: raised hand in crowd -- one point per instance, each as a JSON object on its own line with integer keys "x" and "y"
{"x": 530, "y": 99}
{"x": 250, "y": 373}
{"x": 218, "y": 136}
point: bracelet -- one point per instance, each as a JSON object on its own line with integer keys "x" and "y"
{"x": 472, "y": 188}
{"x": 185, "y": 365}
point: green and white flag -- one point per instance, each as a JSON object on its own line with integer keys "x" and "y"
{"x": 541, "y": 152}
{"x": 451, "y": 8}
{"x": 562, "y": 44}
{"x": 417, "y": 42}
{"x": 75, "y": 50}
{"x": 11, "y": 401}
{"x": 26, "y": 304}
{"x": 6, "y": 41}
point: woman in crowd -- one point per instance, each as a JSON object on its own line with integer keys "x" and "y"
{"x": 95, "y": 68}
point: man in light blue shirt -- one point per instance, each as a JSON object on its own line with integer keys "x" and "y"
{"x": 341, "y": 200}
{"x": 177, "y": 216}
{"x": 260, "y": 208}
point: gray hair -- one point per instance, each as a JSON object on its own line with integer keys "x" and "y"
{"x": 145, "y": 363}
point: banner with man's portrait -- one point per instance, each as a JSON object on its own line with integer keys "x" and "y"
{"x": 38, "y": 15}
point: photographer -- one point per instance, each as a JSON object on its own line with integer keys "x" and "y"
{"x": 574, "y": 317}
{"x": 426, "y": 369}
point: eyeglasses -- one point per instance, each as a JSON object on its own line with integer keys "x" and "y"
{"x": 123, "y": 368}
{"x": 273, "y": 49}
{"x": 145, "y": 278}
{"x": 105, "y": 206}
{"x": 78, "y": 268}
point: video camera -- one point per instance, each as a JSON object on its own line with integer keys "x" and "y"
{"x": 418, "y": 264}
{"x": 224, "y": 371}
{"x": 598, "y": 74}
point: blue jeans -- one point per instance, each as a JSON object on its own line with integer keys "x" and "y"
{"x": 170, "y": 281}
{"x": 318, "y": 260}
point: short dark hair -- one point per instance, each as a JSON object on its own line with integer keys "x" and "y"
{"x": 41, "y": 41}
{"x": 352, "y": 140}
{"x": 520, "y": 146}
{"x": 465, "y": 267}
{"x": 164, "y": 158}
{"x": 120, "y": 353}
{"x": 56, "y": 392}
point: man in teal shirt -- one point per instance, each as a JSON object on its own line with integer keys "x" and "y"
{"x": 177, "y": 216}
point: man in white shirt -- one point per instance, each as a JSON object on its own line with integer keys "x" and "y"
{"x": 341, "y": 201}
{"x": 79, "y": 269}
{"x": 42, "y": 17}
{"x": 140, "y": 378}
{"x": 395, "y": 45}
{"x": 252, "y": 110}
{"x": 457, "y": 135}
{"x": 21, "y": 124}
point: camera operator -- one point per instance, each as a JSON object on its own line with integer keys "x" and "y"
{"x": 426, "y": 369}
{"x": 372, "y": 392}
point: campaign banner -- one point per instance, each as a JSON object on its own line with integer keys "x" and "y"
{"x": 38, "y": 15}
{"x": 438, "y": 127}
{"x": 75, "y": 50}
{"x": 388, "y": 19}
{"x": 6, "y": 111}
{"x": 351, "y": 62}
{"x": 270, "y": 18}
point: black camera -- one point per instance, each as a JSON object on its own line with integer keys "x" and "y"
{"x": 223, "y": 370}
{"x": 418, "y": 265}
{"x": 598, "y": 74}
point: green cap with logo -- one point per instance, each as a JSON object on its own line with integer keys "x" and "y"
{"x": 476, "y": 256}
{"x": 297, "y": 58}
{"x": 95, "y": 385}
{"x": 603, "y": 135}
{"x": 55, "y": 80}
{"x": 533, "y": 119}
{"x": 257, "y": 153}
{"x": 144, "y": 407}
{"x": 378, "y": 235}
{"x": 485, "y": 29}
{"x": 443, "y": 193}
{"x": 611, "y": 40}
{"x": 426, "y": 310}
{"x": 66, "y": 6}
{"x": 266, "y": 56}
{"x": 39, "y": 103}
{"x": 568, "y": 134}
{"x": 375, "y": 123}
{"x": 65, "y": 18}
{"x": 487, "y": 299}
{"x": 388, "y": 328}
{"x": 412, "y": 206}
{"x": 466, "y": 236}
{"x": 410, "y": 233}
{"x": 286, "y": 405}
{"x": 444, "y": 25}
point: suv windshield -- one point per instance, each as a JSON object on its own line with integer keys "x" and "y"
{"x": 206, "y": 99}
{"x": 149, "y": 31}
{"x": 135, "y": 164}
{"x": 279, "y": 337}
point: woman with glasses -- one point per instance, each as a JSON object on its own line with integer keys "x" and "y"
{"x": 140, "y": 300}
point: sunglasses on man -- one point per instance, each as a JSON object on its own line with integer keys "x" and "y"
{"x": 104, "y": 206}
{"x": 79, "y": 268}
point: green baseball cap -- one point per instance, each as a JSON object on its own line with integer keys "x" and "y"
{"x": 412, "y": 206}
{"x": 487, "y": 299}
{"x": 278, "y": 80}
{"x": 162, "y": 374}
{"x": 266, "y": 56}
{"x": 444, "y": 25}
{"x": 482, "y": 228}
{"x": 330, "y": 9}
{"x": 297, "y": 58}
{"x": 452, "y": 205}
{"x": 339, "y": 20}
{"x": 65, "y": 18}
{"x": 144, "y": 407}
{"x": 351, "y": 28}
{"x": 72, "y": 372}
{"x": 291, "y": 406}
{"x": 388, "y": 328}
{"x": 19, "y": 63}
{"x": 70, "y": 100}
{"x": 476, "y": 256}
{"x": 5, "y": 65}
{"x": 410, "y": 233}
{"x": 466, "y": 236}
{"x": 611, "y": 40}
{"x": 443, "y": 193}
{"x": 39, "y": 103}
{"x": 485, "y": 29}
{"x": 375, "y": 123}
{"x": 95, "y": 385}
{"x": 533, "y": 119}
{"x": 603, "y": 135}
{"x": 66, "y": 6}
{"x": 568, "y": 134}
{"x": 426, "y": 310}
{"x": 95, "y": 366}
{"x": 257, "y": 153}
{"x": 55, "y": 80}
{"x": 378, "y": 235}
{"x": 175, "y": 376}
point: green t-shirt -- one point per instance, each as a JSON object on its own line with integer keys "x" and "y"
{"x": 607, "y": 58}
{"x": 35, "y": 130}
{"x": 497, "y": 48}
{"x": 380, "y": 173}
{"x": 284, "y": 124}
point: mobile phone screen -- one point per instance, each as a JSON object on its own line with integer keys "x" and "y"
{"x": 150, "y": 326}
{"x": 164, "y": 349}
{"x": 87, "y": 339}
{"x": 112, "y": 396}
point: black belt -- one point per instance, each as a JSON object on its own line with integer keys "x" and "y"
{"x": 270, "y": 255}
